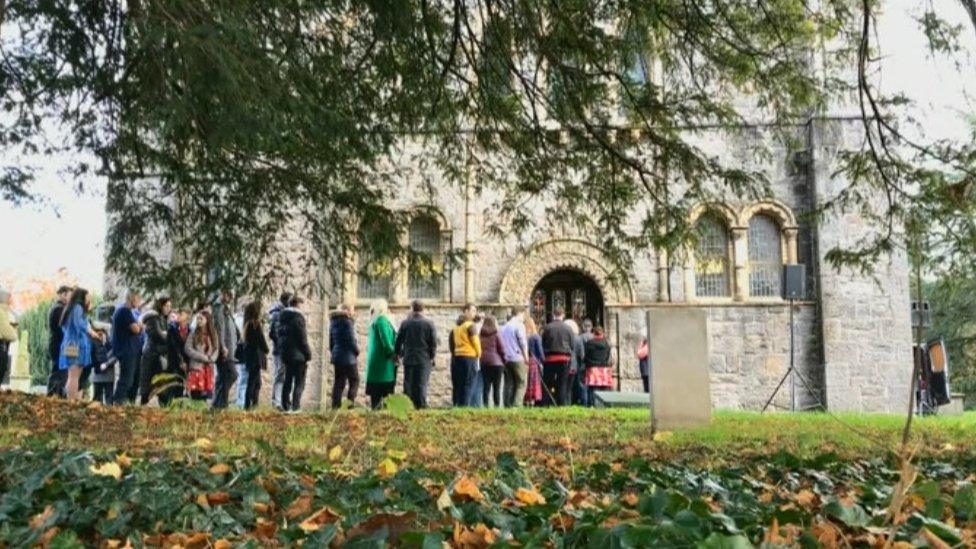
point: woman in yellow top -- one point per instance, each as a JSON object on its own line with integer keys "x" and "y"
{"x": 465, "y": 345}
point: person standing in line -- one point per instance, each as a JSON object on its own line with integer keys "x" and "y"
{"x": 644, "y": 364}
{"x": 492, "y": 363}
{"x": 154, "y": 350}
{"x": 202, "y": 350}
{"x": 575, "y": 366}
{"x": 557, "y": 343}
{"x": 56, "y": 379}
{"x": 125, "y": 343}
{"x": 465, "y": 346}
{"x": 278, "y": 371}
{"x": 580, "y": 394}
{"x": 137, "y": 362}
{"x": 380, "y": 355}
{"x": 516, "y": 355}
{"x": 177, "y": 362}
{"x": 8, "y": 333}
{"x": 102, "y": 364}
{"x": 344, "y": 354}
{"x": 295, "y": 353}
{"x": 598, "y": 363}
{"x": 537, "y": 357}
{"x": 76, "y": 345}
{"x": 223, "y": 315}
{"x": 255, "y": 353}
{"x": 416, "y": 345}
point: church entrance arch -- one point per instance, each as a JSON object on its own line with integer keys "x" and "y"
{"x": 571, "y": 290}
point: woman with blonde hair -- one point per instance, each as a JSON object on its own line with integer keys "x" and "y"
{"x": 533, "y": 387}
{"x": 380, "y": 352}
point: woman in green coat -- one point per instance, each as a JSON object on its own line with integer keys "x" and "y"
{"x": 380, "y": 367}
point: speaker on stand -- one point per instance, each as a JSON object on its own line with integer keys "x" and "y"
{"x": 794, "y": 288}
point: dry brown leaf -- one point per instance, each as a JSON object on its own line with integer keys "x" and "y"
{"x": 320, "y": 518}
{"x": 806, "y": 498}
{"x": 826, "y": 533}
{"x": 562, "y": 522}
{"x": 630, "y": 499}
{"x": 466, "y": 489}
{"x": 218, "y": 498}
{"x": 529, "y": 496}
{"x": 394, "y": 523}
{"x": 197, "y": 540}
{"x": 265, "y": 529}
{"x": 300, "y": 507}
{"x": 39, "y": 519}
{"x": 478, "y": 537}
{"x": 221, "y": 544}
{"x": 220, "y": 468}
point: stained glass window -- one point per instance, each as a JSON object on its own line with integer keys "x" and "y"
{"x": 374, "y": 273}
{"x": 539, "y": 307}
{"x": 712, "y": 258}
{"x": 558, "y": 300}
{"x": 579, "y": 306}
{"x": 426, "y": 270}
{"x": 765, "y": 257}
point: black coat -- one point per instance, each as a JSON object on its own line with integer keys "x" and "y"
{"x": 597, "y": 352}
{"x": 55, "y": 335}
{"x": 176, "y": 345}
{"x": 342, "y": 339}
{"x": 255, "y": 348}
{"x": 293, "y": 336}
{"x": 416, "y": 341}
{"x": 156, "y": 333}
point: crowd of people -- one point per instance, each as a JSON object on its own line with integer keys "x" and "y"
{"x": 134, "y": 353}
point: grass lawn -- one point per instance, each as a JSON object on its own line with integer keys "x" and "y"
{"x": 86, "y": 475}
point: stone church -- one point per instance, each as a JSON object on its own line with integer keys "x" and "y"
{"x": 853, "y": 335}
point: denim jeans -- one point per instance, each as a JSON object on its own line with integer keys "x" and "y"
{"x": 242, "y": 380}
{"x": 464, "y": 374}
{"x": 277, "y": 380}
{"x": 291, "y": 390}
{"x": 416, "y": 377}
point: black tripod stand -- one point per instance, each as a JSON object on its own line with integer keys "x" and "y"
{"x": 792, "y": 373}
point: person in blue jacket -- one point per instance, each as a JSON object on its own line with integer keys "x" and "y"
{"x": 76, "y": 348}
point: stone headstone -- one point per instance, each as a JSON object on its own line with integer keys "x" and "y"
{"x": 680, "y": 393}
{"x": 613, "y": 399}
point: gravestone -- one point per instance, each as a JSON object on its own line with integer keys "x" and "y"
{"x": 680, "y": 394}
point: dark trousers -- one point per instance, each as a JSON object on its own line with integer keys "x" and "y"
{"x": 253, "y": 388}
{"x": 56, "y": 380}
{"x": 491, "y": 382}
{"x": 345, "y": 374}
{"x": 555, "y": 380}
{"x": 102, "y": 392}
{"x": 464, "y": 372}
{"x": 149, "y": 367}
{"x": 581, "y": 395}
{"x": 128, "y": 368}
{"x": 226, "y": 376}
{"x": 291, "y": 390}
{"x": 647, "y": 383}
{"x": 133, "y": 390}
{"x": 415, "y": 380}
{"x": 4, "y": 360}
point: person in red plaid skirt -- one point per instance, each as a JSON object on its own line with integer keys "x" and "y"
{"x": 598, "y": 362}
{"x": 202, "y": 348}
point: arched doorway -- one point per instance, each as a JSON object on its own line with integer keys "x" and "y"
{"x": 578, "y": 294}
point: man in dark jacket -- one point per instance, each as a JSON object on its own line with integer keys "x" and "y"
{"x": 278, "y": 371}
{"x": 295, "y": 353}
{"x": 344, "y": 350}
{"x": 557, "y": 342}
{"x": 228, "y": 333}
{"x": 416, "y": 345}
{"x": 57, "y": 379}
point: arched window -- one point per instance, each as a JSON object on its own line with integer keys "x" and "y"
{"x": 374, "y": 272}
{"x": 426, "y": 268}
{"x": 765, "y": 257}
{"x": 712, "y": 258}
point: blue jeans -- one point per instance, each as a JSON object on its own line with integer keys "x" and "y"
{"x": 464, "y": 373}
{"x": 241, "y": 384}
{"x": 579, "y": 389}
{"x": 415, "y": 380}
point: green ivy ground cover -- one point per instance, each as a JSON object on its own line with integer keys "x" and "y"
{"x": 73, "y": 498}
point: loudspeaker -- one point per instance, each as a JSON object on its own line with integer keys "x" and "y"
{"x": 794, "y": 281}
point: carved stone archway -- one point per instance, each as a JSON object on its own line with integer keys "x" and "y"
{"x": 566, "y": 253}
